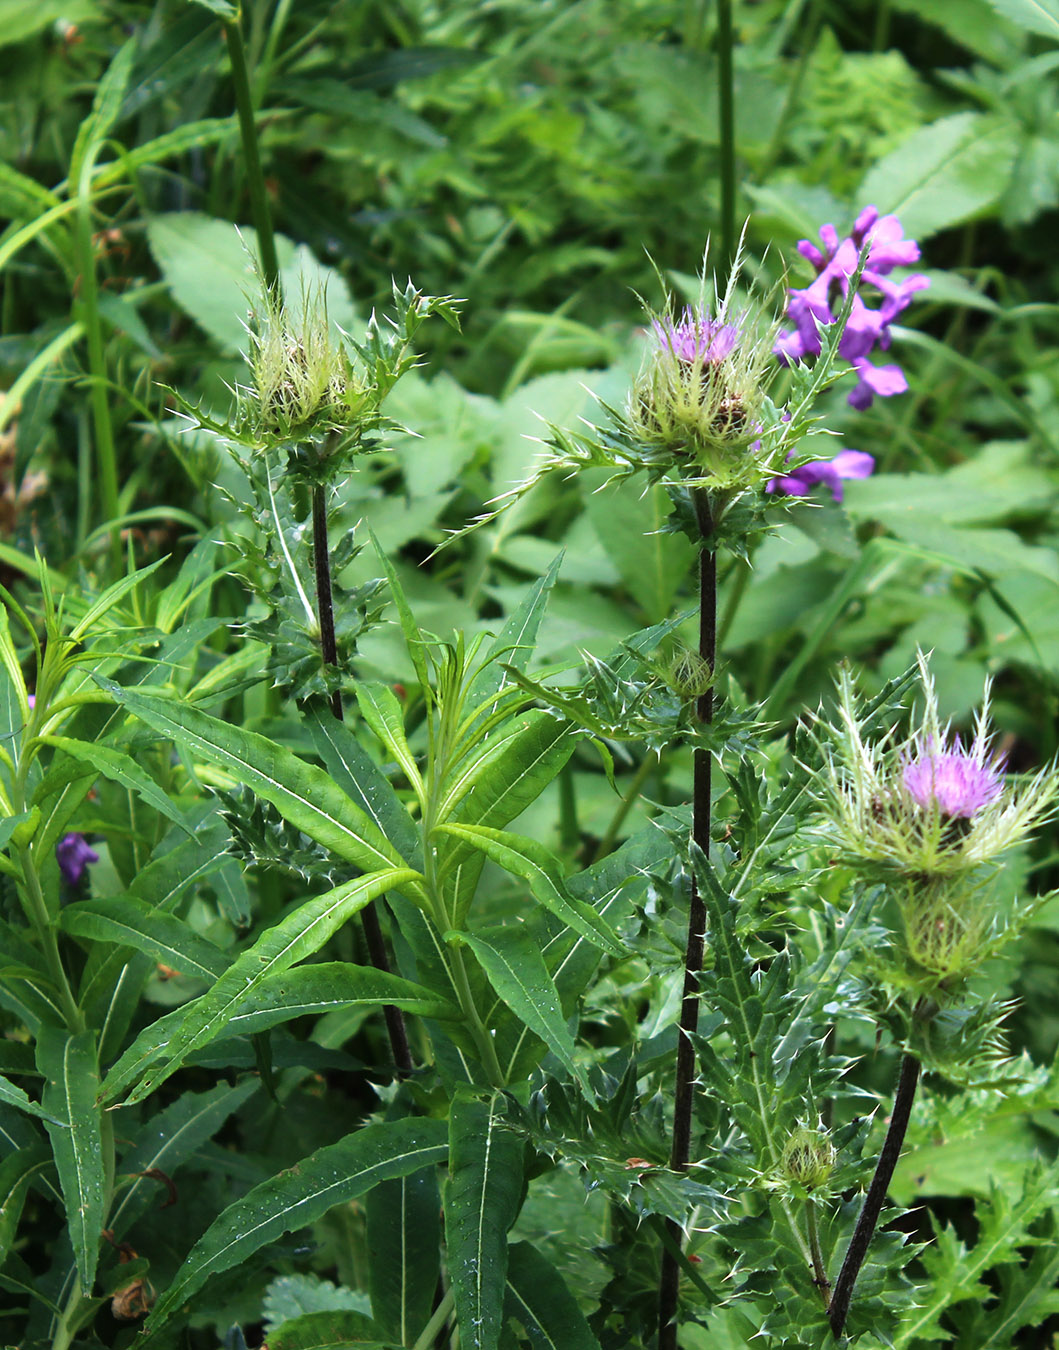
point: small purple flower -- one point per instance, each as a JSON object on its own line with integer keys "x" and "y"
{"x": 74, "y": 855}
{"x": 846, "y": 464}
{"x": 696, "y": 337}
{"x": 820, "y": 301}
{"x": 956, "y": 781}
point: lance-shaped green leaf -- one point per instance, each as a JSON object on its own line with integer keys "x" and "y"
{"x": 537, "y": 1297}
{"x": 130, "y": 923}
{"x": 17, "y": 1171}
{"x": 509, "y": 772}
{"x": 404, "y": 1240}
{"x": 511, "y": 958}
{"x": 302, "y": 793}
{"x": 412, "y": 636}
{"x": 120, "y": 589}
{"x": 71, "y": 1081}
{"x": 300, "y": 934}
{"x": 481, "y": 1203}
{"x": 525, "y": 858}
{"x": 331, "y": 1176}
{"x": 360, "y": 778}
{"x": 14, "y": 1096}
{"x": 381, "y": 710}
{"x": 514, "y": 644}
{"x": 120, "y": 768}
{"x": 329, "y": 985}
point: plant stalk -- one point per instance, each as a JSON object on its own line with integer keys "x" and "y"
{"x": 684, "y": 1091}
{"x": 255, "y": 179}
{"x": 395, "y": 1024}
{"x": 873, "y": 1201}
{"x": 726, "y": 101}
{"x": 819, "y": 1264}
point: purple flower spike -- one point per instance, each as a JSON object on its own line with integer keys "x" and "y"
{"x": 846, "y": 464}
{"x": 821, "y": 301}
{"x": 74, "y": 855}
{"x": 697, "y": 337}
{"x": 957, "y": 782}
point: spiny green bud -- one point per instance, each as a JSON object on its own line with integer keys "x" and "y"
{"x": 689, "y": 675}
{"x": 808, "y": 1157}
{"x": 947, "y": 926}
{"x": 304, "y": 384}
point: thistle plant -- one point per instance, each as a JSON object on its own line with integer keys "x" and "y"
{"x": 928, "y": 818}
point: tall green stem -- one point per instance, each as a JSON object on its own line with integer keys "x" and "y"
{"x": 395, "y": 1024}
{"x": 726, "y": 97}
{"x": 38, "y": 910}
{"x": 702, "y": 771}
{"x": 255, "y": 179}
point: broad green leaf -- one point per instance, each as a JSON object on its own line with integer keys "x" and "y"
{"x": 170, "y": 1138}
{"x": 328, "y": 1331}
{"x": 120, "y": 768}
{"x": 17, "y": 1171}
{"x": 131, "y": 923}
{"x": 1035, "y": 16}
{"x": 404, "y": 1241}
{"x": 357, "y": 774}
{"x": 71, "y": 1082}
{"x": 303, "y": 794}
{"x": 511, "y": 958}
{"x": 481, "y": 1203}
{"x": 297, "y": 1197}
{"x": 537, "y": 1297}
{"x": 944, "y": 173}
{"x": 10, "y": 824}
{"x": 382, "y": 711}
{"x": 303, "y": 932}
{"x": 525, "y": 858}
{"x": 653, "y": 565}
{"x": 328, "y": 985}
{"x": 514, "y": 644}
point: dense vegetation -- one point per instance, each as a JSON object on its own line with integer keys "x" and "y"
{"x": 465, "y": 232}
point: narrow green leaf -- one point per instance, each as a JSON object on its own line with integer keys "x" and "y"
{"x": 360, "y": 778}
{"x": 327, "y": 1331}
{"x": 537, "y": 1297}
{"x": 509, "y": 771}
{"x": 120, "y": 768}
{"x": 514, "y": 644}
{"x": 1033, "y": 16}
{"x": 404, "y": 1242}
{"x": 511, "y": 958}
{"x": 300, "y": 934}
{"x": 71, "y": 1081}
{"x": 190, "y": 136}
{"x": 525, "y": 858}
{"x": 131, "y": 923}
{"x": 328, "y": 985}
{"x": 105, "y": 107}
{"x": 481, "y": 1203}
{"x": 304, "y": 794}
{"x": 412, "y": 636}
{"x": 16, "y": 1173}
{"x": 110, "y": 598}
{"x": 14, "y": 1096}
{"x": 331, "y": 1176}
{"x": 381, "y": 710}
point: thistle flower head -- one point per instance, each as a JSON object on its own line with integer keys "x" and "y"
{"x": 808, "y": 1157}
{"x": 305, "y": 386}
{"x": 700, "y": 395}
{"x": 928, "y": 806}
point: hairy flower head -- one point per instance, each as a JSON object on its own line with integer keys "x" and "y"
{"x": 928, "y": 806}
{"x": 809, "y": 1157}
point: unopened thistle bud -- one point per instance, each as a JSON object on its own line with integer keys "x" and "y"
{"x": 305, "y": 387}
{"x": 809, "y": 1158}
{"x": 689, "y": 675}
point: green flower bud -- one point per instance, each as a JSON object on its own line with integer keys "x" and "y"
{"x": 809, "y": 1158}
{"x": 688, "y": 675}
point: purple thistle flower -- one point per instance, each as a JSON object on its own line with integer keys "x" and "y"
{"x": 820, "y": 301}
{"x": 74, "y": 855}
{"x": 846, "y": 464}
{"x": 958, "y": 782}
{"x": 696, "y": 337}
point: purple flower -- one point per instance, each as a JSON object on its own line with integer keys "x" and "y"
{"x": 846, "y": 464}
{"x": 957, "y": 781}
{"x": 696, "y": 337}
{"x": 820, "y": 301}
{"x": 74, "y": 855}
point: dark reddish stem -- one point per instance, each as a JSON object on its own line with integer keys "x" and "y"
{"x": 395, "y": 1024}
{"x": 684, "y": 1092}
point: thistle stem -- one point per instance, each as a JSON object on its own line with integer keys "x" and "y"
{"x": 255, "y": 179}
{"x": 838, "y": 1308}
{"x": 369, "y": 919}
{"x": 726, "y": 101}
{"x": 684, "y": 1091}
{"x": 819, "y": 1264}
